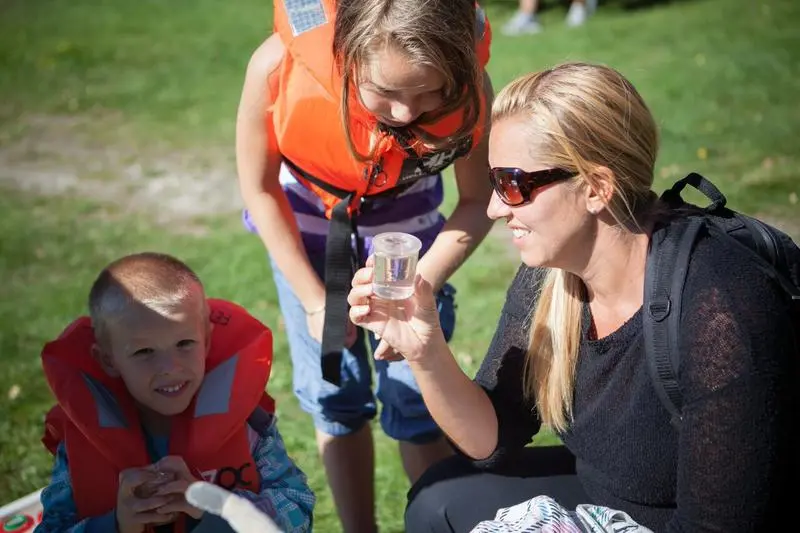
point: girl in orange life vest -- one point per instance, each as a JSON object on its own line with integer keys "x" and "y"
{"x": 162, "y": 381}
{"x": 348, "y": 114}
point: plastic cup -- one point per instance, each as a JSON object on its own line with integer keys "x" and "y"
{"x": 395, "y": 255}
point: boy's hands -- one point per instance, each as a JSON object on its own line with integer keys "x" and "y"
{"x": 154, "y": 495}
{"x": 134, "y": 513}
{"x": 175, "y": 490}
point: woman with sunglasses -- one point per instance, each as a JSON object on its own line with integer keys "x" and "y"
{"x": 572, "y": 152}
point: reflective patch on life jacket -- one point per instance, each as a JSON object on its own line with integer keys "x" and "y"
{"x": 215, "y": 392}
{"x": 305, "y": 15}
{"x": 415, "y": 168}
{"x": 109, "y": 413}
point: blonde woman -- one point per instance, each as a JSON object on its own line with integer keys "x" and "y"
{"x": 349, "y": 113}
{"x": 572, "y": 152}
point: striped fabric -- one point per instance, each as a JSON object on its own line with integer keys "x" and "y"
{"x": 544, "y": 514}
{"x": 415, "y": 211}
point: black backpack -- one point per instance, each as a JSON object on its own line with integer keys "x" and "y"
{"x": 773, "y": 252}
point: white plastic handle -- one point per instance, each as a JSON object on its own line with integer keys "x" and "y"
{"x": 240, "y": 513}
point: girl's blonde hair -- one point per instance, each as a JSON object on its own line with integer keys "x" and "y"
{"x": 578, "y": 116}
{"x": 440, "y": 34}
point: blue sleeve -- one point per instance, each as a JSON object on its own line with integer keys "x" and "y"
{"x": 285, "y": 495}
{"x": 59, "y": 513}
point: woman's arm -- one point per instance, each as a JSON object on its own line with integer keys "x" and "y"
{"x": 488, "y": 418}
{"x": 458, "y": 405}
{"x": 737, "y": 453}
{"x": 468, "y": 224}
{"x": 258, "y": 166}
{"x": 502, "y": 371}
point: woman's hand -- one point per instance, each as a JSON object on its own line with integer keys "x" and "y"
{"x": 409, "y": 327}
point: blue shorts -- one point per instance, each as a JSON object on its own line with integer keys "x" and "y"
{"x": 342, "y": 410}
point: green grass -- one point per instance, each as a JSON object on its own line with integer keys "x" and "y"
{"x": 51, "y": 251}
{"x": 721, "y": 76}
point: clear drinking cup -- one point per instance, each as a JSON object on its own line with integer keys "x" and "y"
{"x": 395, "y": 256}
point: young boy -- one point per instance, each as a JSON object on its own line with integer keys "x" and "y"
{"x": 159, "y": 388}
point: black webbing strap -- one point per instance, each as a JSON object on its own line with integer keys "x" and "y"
{"x": 340, "y": 264}
{"x": 665, "y": 275}
{"x": 700, "y": 183}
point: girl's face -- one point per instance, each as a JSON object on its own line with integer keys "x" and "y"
{"x": 397, "y": 91}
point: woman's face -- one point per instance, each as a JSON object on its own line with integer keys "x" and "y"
{"x": 398, "y": 91}
{"x": 554, "y": 227}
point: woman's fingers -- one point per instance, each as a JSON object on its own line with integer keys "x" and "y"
{"x": 359, "y": 313}
{"x": 384, "y": 352}
{"x": 359, "y": 295}
{"x": 363, "y": 276}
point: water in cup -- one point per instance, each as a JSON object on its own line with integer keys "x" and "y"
{"x": 394, "y": 277}
{"x": 395, "y": 268}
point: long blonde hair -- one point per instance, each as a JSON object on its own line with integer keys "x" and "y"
{"x": 578, "y": 116}
{"x": 440, "y": 34}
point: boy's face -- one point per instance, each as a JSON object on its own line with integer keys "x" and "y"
{"x": 160, "y": 359}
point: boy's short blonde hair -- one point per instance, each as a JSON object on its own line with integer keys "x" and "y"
{"x": 156, "y": 281}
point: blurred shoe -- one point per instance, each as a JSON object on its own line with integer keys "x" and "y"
{"x": 521, "y": 24}
{"x": 579, "y": 12}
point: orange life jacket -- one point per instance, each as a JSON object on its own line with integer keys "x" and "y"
{"x": 312, "y": 141}
{"x": 307, "y": 121}
{"x": 99, "y": 423}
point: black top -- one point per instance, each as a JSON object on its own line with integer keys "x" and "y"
{"x": 730, "y": 465}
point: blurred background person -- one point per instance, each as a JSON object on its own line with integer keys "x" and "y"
{"x": 525, "y": 21}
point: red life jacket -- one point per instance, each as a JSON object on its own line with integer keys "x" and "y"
{"x": 97, "y": 420}
{"x": 305, "y": 113}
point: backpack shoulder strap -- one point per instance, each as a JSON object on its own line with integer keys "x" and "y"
{"x": 665, "y": 275}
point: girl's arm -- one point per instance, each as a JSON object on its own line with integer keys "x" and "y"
{"x": 468, "y": 224}
{"x": 258, "y": 166}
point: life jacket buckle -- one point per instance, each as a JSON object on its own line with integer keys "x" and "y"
{"x": 377, "y": 175}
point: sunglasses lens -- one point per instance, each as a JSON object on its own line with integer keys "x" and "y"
{"x": 507, "y": 186}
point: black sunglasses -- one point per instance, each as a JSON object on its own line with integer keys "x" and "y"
{"x": 515, "y": 186}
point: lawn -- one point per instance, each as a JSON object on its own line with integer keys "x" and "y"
{"x": 90, "y": 89}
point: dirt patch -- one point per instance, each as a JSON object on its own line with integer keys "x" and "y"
{"x": 65, "y": 156}
{"x": 93, "y": 157}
